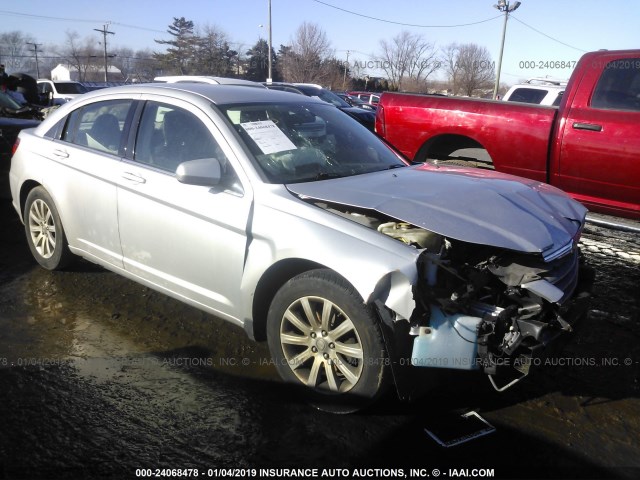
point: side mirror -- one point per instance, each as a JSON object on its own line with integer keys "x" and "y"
{"x": 205, "y": 172}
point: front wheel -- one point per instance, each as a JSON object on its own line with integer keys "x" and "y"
{"x": 45, "y": 235}
{"x": 324, "y": 337}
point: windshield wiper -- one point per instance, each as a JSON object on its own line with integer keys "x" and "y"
{"x": 320, "y": 176}
{"x": 326, "y": 176}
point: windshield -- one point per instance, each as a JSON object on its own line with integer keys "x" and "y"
{"x": 70, "y": 88}
{"x": 305, "y": 142}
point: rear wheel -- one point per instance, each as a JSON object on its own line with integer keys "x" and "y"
{"x": 322, "y": 336}
{"x": 45, "y": 234}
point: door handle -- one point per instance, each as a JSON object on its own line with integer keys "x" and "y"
{"x": 132, "y": 177}
{"x": 60, "y": 153}
{"x": 592, "y": 127}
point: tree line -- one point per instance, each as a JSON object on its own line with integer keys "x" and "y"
{"x": 406, "y": 62}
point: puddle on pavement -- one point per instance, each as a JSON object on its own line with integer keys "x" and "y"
{"x": 104, "y": 324}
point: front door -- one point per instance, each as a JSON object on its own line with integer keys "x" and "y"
{"x": 188, "y": 240}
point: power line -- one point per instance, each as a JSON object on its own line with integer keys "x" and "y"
{"x": 82, "y": 20}
{"x": 548, "y": 36}
{"x": 448, "y": 26}
{"x": 404, "y": 24}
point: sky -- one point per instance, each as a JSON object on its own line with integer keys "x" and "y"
{"x": 543, "y": 37}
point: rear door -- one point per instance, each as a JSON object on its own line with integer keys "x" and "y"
{"x": 87, "y": 157}
{"x": 599, "y": 160}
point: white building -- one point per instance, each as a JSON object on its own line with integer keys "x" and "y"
{"x": 93, "y": 73}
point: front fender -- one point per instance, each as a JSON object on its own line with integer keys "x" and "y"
{"x": 379, "y": 267}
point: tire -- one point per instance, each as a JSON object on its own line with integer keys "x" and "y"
{"x": 323, "y": 337}
{"x": 45, "y": 234}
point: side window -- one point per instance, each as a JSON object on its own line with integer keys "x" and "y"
{"x": 99, "y": 126}
{"x": 44, "y": 88}
{"x": 619, "y": 86}
{"x": 169, "y": 135}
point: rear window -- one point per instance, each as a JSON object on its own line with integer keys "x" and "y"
{"x": 70, "y": 88}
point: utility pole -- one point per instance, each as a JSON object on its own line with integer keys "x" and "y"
{"x": 104, "y": 32}
{"x": 35, "y": 50}
{"x": 346, "y": 65}
{"x": 503, "y": 6}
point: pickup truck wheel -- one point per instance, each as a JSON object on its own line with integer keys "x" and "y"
{"x": 45, "y": 234}
{"x": 324, "y": 338}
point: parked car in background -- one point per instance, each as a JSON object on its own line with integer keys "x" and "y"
{"x": 370, "y": 97}
{"x": 365, "y": 117}
{"x": 59, "y": 92}
{"x": 355, "y": 101}
{"x": 91, "y": 86}
{"x": 541, "y": 91}
{"x": 14, "y": 117}
{"x": 281, "y": 214}
{"x": 25, "y": 85}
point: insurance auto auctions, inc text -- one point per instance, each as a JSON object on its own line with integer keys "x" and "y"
{"x": 372, "y": 472}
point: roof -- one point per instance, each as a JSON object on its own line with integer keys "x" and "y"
{"x": 205, "y": 79}
{"x": 218, "y": 94}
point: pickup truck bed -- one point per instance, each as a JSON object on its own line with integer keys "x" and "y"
{"x": 435, "y": 127}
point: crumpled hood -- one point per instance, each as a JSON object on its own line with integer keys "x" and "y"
{"x": 471, "y": 205}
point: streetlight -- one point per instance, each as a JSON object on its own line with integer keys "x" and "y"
{"x": 270, "y": 66}
{"x": 503, "y": 6}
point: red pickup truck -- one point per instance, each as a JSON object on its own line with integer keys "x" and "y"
{"x": 589, "y": 146}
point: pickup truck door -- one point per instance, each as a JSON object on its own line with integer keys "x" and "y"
{"x": 599, "y": 157}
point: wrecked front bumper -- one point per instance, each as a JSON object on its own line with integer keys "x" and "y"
{"x": 504, "y": 349}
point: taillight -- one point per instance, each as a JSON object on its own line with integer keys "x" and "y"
{"x": 15, "y": 146}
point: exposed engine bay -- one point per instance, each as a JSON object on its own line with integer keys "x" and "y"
{"x": 490, "y": 308}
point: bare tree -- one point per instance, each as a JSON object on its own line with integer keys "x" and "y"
{"x": 14, "y": 51}
{"x": 305, "y": 57}
{"x": 334, "y": 73}
{"x": 142, "y": 68}
{"x": 79, "y": 54}
{"x": 407, "y": 55}
{"x": 470, "y": 68}
{"x": 124, "y": 60}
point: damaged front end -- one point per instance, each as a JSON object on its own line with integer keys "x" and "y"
{"x": 479, "y": 307}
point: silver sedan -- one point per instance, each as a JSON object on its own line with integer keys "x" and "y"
{"x": 284, "y": 216}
